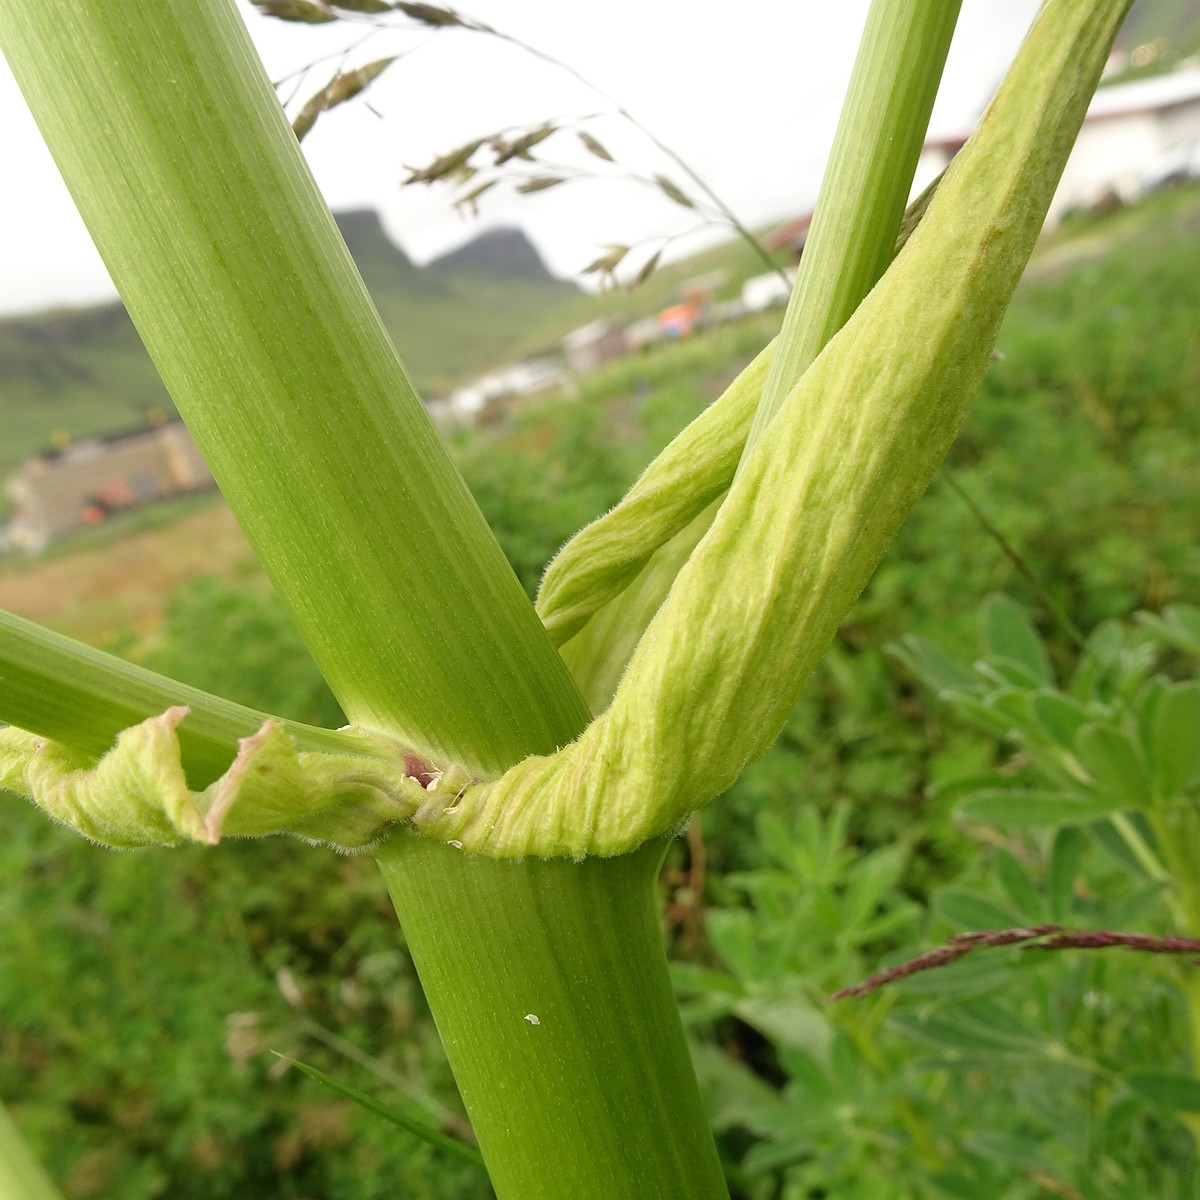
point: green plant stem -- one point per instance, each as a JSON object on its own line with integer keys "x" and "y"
{"x": 82, "y": 697}
{"x": 21, "y": 1175}
{"x": 853, "y": 233}
{"x": 558, "y": 1016}
{"x": 1141, "y": 851}
{"x": 189, "y": 178}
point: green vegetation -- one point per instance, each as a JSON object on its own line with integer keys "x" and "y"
{"x": 520, "y": 836}
{"x": 273, "y": 946}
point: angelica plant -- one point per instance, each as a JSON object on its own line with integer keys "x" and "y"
{"x": 514, "y": 770}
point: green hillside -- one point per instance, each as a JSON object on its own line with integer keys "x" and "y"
{"x": 84, "y": 371}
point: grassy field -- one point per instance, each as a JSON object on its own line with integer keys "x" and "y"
{"x": 99, "y": 587}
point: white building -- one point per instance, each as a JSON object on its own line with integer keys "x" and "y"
{"x": 528, "y": 378}
{"x": 1135, "y": 136}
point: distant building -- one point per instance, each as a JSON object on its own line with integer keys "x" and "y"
{"x": 592, "y": 345}
{"x": 62, "y": 490}
{"x": 679, "y": 321}
{"x": 1135, "y": 137}
{"x": 766, "y": 291}
{"x": 790, "y": 237}
{"x": 528, "y": 378}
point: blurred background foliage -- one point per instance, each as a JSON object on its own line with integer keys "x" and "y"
{"x": 141, "y": 993}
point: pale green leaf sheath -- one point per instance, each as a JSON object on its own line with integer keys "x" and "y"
{"x": 595, "y": 583}
{"x": 186, "y": 765}
{"x": 138, "y": 794}
{"x": 599, "y": 562}
{"x": 815, "y": 505}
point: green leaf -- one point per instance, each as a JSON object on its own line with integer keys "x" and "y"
{"x": 688, "y": 979}
{"x": 732, "y": 933}
{"x": 1059, "y": 716}
{"x": 1005, "y": 1148}
{"x": 974, "y": 1031}
{"x": 1108, "y": 836}
{"x": 981, "y": 714}
{"x": 1020, "y": 888}
{"x": 1005, "y": 806}
{"x": 932, "y": 665}
{"x": 1007, "y": 632}
{"x": 1133, "y": 908}
{"x": 871, "y": 877}
{"x": 978, "y": 973}
{"x": 1008, "y": 673}
{"x": 1064, "y": 865}
{"x": 1115, "y": 764}
{"x": 735, "y": 1095}
{"x": 425, "y": 1132}
{"x": 788, "y": 1022}
{"x": 1167, "y": 1089}
{"x": 1175, "y": 744}
{"x": 966, "y": 911}
{"x": 1179, "y": 626}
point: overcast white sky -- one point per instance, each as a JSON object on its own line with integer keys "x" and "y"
{"x": 748, "y": 92}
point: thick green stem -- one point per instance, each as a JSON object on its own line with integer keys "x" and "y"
{"x": 853, "y": 233}
{"x": 174, "y": 146}
{"x": 549, "y": 985}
